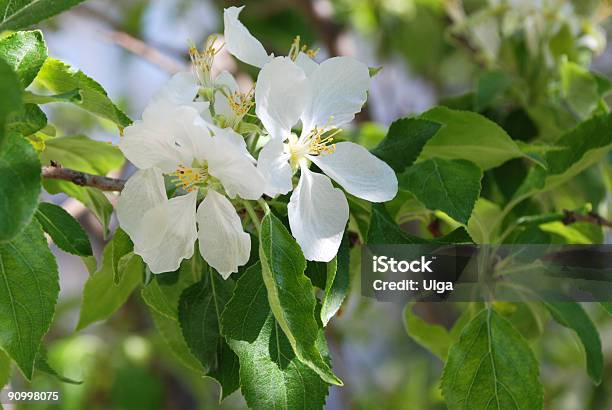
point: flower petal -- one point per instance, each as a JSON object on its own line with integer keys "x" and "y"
{"x": 178, "y": 239}
{"x": 181, "y": 89}
{"x": 306, "y": 63}
{"x": 223, "y": 242}
{"x": 280, "y": 96}
{"x": 240, "y": 42}
{"x": 168, "y": 136}
{"x": 318, "y": 214}
{"x": 143, "y": 194}
{"x": 338, "y": 91}
{"x": 359, "y": 172}
{"x": 273, "y": 163}
{"x": 231, "y": 163}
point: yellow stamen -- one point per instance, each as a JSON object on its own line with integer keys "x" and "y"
{"x": 189, "y": 178}
{"x": 241, "y": 103}
{"x": 203, "y": 61}
{"x": 295, "y": 49}
{"x": 321, "y": 141}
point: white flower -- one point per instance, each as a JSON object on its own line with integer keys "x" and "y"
{"x": 176, "y": 141}
{"x": 240, "y": 42}
{"x": 322, "y": 98}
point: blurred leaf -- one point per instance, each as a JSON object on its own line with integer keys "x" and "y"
{"x": 384, "y": 230}
{"x": 199, "y": 314}
{"x": 404, "y": 141}
{"x": 59, "y": 77}
{"x": 19, "y": 185}
{"x": 291, "y": 294}
{"x": 162, "y": 294}
{"x": 490, "y": 85}
{"x": 579, "y": 88}
{"x": 83, "y": 154}
{"x": 42, "y": 365}
{"x": 25, "y": 51}
{"x": 28, "y": 294}
{"x": 337, "y": 284}
{"x": 573, "y": 316}
{"x": 450, "y": 186}
{"x": 270, "y": 374}
{"x": 101, "y": 296}
{"x": 483, "y": 219}
{"x": 470, "y": 136}
{"x": 27, "y": 120}
{"x": 491, "y": 365}
{"x": 18, "y": 14}
{"x": 5, "y": 369}
{"x": 10, "y": 90}
{"x": 92, "y": 198}
{"x": 432, "y": 337}
{"x": 576, "y": 233}
{"x": 65, "y": 231}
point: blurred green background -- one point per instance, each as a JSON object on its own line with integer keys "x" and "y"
{"x": 430, "y": 50}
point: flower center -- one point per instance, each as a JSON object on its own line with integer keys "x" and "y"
{"x": 241, "y": 103}
{"x": 190, "y": 178}
{"x": 318, "y": 142}
{"x": 296, "y": 48}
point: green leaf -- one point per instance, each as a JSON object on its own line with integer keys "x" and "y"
{"x": 59, "y": 77}
{"x": 384, "y": 230}
{"x": 43, "y": 365}
{"x": 5, "y": 369}
{"x": 582, "y": 147}
{"x": 573, "y": 316}
{"x": 491, "y": 366}
{"x": 19, "y": 185}
{"x": 271, "y": 376}
{"x": 29, "y": 288}
{"x": 92, "y": 198}
{"x": 337, "y": 284}
{"x": 404, "y": 141}
{"x": 25, "y": 51}
{"x": 65, "y": 231}
{"x": 72, "y": 96}
{"x": 470, "y": 136}
{"x": 28, "y": 119}
{"x": 607, "y": 306}
{"x": 579, "y": 88}
{"x": 10, "y": 90}
{"x": 199, "y": 313}
{"x": 434, "y": 338}
{"x": 17, "y": 14}
{"x": 83, "y": 154}
{"x": 450, "y": 186}
{"x": 101, "y": 296}
{"x": 291, "y": 294}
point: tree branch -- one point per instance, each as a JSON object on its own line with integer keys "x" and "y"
{"x": 82, "y": 178}
{"x": 569, "y": 217}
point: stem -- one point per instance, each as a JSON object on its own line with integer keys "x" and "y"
{"x": 252, "y": 214}
{"x": 264, "y": 205}
{"x": 82, "y": 178}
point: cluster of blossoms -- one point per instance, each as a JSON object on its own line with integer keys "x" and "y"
{"x": 194, "y": 130}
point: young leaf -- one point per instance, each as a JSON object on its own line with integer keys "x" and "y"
{"x": 383, "y": 229}
{"x": 270, "y": 375}
{"x": 23, "y": 13}
{"x": 337, "y": 284}
{"x": 404, "y": 141}
{"x": 470, "y": 136}
{"x": 199, "y": 313}
{"x": 25, "y": 51}
{"x": 19, "y": 185}
{"x": 434, "y": 338}
{"x": 59, "y": 77}
{"x": 573, "y": 316}
{"x": 491, "y": 366}
{"x": 291, "y": 294}
{"x": 83, "y": 154}
{"x": 29, "y": 287}
{"x": 101, "y": 296}
{"x": 65, "y": 231}
{"x": 42, "y": 365}
{"x": 450, "y": 186}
